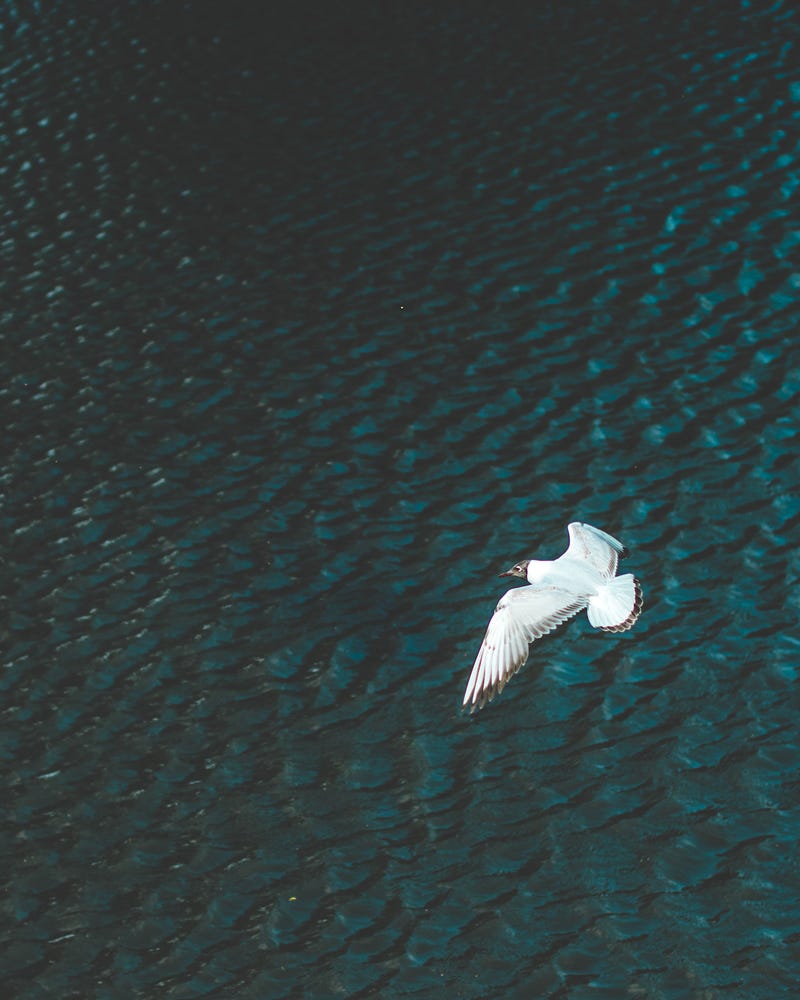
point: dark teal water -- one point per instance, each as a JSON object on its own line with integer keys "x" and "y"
{"x": 310, "y": 327}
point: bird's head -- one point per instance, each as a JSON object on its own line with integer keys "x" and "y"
{"x": 521, "y": 569}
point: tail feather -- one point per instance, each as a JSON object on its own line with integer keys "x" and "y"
{"x": 618, "y": 604}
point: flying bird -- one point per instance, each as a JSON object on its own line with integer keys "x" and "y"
{"x": 583, "y": 577}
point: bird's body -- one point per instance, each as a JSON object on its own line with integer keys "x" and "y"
{"x": 583, "y": 577}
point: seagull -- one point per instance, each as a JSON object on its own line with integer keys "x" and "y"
{"x": 583, "y": 577}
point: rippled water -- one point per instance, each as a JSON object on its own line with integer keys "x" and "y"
{"x": 310, "y": 328}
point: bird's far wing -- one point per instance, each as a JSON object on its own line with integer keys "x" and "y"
{"x": 595, "y": 547}
{"x": 523, "y": 614}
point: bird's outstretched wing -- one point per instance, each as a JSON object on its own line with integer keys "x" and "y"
{"x": 523, "y": 614}
{"x": 595, "y": 547}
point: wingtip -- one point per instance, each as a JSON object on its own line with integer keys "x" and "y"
{"x": 633, "y": 617}
{"x": 475, "y": 700}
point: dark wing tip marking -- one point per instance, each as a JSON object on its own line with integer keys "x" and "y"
{"x": 631, "y": 619}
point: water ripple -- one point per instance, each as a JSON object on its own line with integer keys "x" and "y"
{"x": 301, "y": 350}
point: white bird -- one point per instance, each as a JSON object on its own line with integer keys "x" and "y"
{"x": 583, "y": 577}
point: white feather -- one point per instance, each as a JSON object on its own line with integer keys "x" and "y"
{"x": 583, "y": 577}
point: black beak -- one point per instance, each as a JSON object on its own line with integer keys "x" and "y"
{"x": 508, "y": 572}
